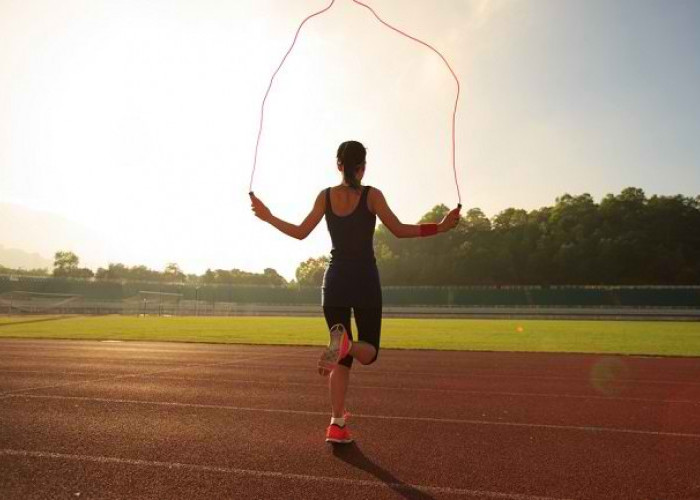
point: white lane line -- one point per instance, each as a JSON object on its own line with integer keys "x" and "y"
{"x": 273, "y": 475}
{"x": 54, "y": 372}
{"x": 432, "y": 389}
{"x": 100, "y": 350}
{"x": 468, "y": 375}
{"x": 240, "y": 363}
{"x": 7, "y": 394}
{"x": 370, "y": 372}
{"x": 537, "y": 377}
{"x": 156, "y": 376}
{"x": 435, "y": 420}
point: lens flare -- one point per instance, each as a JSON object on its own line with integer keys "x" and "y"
{"x": 610, "y": 376}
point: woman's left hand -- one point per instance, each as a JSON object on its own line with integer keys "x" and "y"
{"x": 450, "y": 221}
{"x": 259, "y": 209}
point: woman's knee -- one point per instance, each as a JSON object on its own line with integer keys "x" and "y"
{"x": 372, "y": 355}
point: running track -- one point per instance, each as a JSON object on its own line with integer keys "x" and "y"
{"x": 164, "y": 420}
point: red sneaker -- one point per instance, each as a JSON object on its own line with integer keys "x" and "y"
{"x": 337, "y": 434}
{"x": 338, "y": 347}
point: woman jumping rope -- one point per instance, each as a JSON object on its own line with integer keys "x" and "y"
{"x": 351, "y": 281}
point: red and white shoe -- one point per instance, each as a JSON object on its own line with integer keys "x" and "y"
{"x": 337, "y": 434}
{"x": 338, "y": 347}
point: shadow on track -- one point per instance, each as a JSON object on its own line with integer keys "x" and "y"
{"x": 352, "y": 455}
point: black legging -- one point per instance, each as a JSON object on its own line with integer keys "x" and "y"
{"x": 369, "y": 325}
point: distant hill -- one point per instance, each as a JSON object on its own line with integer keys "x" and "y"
{"x": 29, "y": 238}
{"x": 19, "y": 259}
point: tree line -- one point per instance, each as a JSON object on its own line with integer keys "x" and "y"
{"x": 173, "y": 274}
{"x": 67, "y": 265}
{"x": 625, "y": 239}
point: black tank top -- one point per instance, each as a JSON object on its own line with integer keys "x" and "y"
{"x": 351, "y": 235}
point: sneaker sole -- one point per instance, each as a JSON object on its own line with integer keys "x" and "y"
{"x": 339, "y": 441}
{"x": 330, "y": 357}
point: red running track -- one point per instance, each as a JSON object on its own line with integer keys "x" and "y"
{"x": 158, "y": 420}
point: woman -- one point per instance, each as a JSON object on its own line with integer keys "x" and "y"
{"x": 351, "y": 280}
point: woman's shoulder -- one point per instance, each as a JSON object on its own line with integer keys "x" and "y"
{"x": 373, "y": 192}
{"x": 374, "y": 198}
{"x": 321, "y": 198}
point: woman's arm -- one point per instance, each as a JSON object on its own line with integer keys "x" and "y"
{"x": 380, "y": 207}
{"x": 299, "y": 232}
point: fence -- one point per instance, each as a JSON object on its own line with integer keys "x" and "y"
{"x": 208, "y": 296}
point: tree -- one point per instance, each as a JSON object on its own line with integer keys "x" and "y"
{"x": 272, "y": 277}
{"x": 476, "y": 221}
{"x": 113, "y": 272}
{"x": 209, "y": 277}
{"x": 65, "y": 262}
{"x": 173, "y": 274}
{"x": 65, "y": 265}
{"x": 120, "y": 272}
{"x": 311, "y": 271}
{"x": 435, "y": 215}
{"x": 238, "y": 277}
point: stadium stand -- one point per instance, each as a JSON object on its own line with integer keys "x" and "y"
{"x": 94, "y": 291}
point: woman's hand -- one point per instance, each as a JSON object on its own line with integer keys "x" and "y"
{"x": 450, "y": 221}
{"x": 259, "y": 209}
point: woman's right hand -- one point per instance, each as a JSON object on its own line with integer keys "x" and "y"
{"x": 259, "y": 209}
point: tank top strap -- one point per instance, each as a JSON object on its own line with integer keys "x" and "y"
{"x": 363, "y": 198}
{"x": 328, "y": 201}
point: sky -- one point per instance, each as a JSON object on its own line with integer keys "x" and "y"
{"x": 136, "y": 120}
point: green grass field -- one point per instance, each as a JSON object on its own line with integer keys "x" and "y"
{"x": 623, "y": 337}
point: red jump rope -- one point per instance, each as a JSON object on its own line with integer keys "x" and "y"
{"x": 296, "y": 35}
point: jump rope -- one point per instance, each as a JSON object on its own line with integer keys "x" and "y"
{"x": 296, "y": 35}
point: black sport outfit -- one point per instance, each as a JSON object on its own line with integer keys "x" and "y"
{"x": 351, "y": 280}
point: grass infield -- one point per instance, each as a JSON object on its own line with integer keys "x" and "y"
{"x": 621, "y": 337}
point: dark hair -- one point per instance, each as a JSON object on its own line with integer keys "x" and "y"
{"x": 351, "y": 154}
